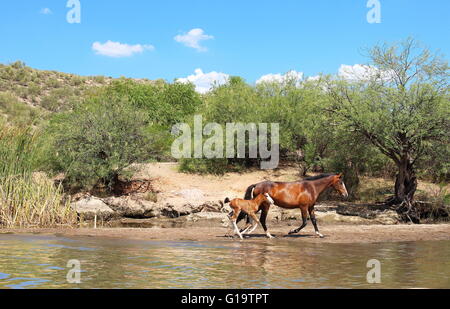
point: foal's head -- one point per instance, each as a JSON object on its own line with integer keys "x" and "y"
{"x": 264, "y": 198}
{"x": 339, "y": 185}
{"x": 268, "y": 198}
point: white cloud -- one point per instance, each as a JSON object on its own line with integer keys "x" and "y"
{"x": 205, "y": 81}
{"x": 361, "y": 72}
{"x": 315, "y": 78}
{"x": 117, "y": 50}
{"x": 193, "y": 38}
{"x": 46, "y": 11}
{"x": 282, "y": 78}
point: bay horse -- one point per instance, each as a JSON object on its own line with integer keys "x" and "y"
{"x": 301, "y": 194}
{"x": 250, "y": 207}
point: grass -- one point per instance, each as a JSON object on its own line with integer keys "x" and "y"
{"x": 28, "y": 199}
{"x": 33, "y": 202}
{"x": 48, "y": 89}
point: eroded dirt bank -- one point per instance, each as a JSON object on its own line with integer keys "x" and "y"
{"x": 333, "y": 233}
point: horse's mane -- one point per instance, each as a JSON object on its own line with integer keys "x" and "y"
{"x": 319, "y": 177}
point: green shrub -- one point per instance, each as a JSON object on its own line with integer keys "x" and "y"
{"x": 19, "y": 113}
{"x": 165, "y": 104}
{"x": 96, "y": 142}
{"x": 204, "y": 166}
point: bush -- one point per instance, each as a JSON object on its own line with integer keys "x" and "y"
{"x": 19, "y": 113}
{"x": 204, "y": 166}
{"x": 96, "y": 142}
{"x": 165, "y": 104}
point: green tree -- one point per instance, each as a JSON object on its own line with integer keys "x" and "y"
{"x": 402, "y": 108}
{"x": 97, "y": 141}
{"x": 165, "y": 104}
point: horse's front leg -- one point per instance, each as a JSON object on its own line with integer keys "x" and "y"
{"x": 263, "y": 218}
{"x": 233, "y": 220}
{"x": 305, "y": 222}
{"x": 312, "y": 215}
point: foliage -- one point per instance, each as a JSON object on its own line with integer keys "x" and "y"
{"x": 27, "y": 199}
{"x": 165, "y": 104}
{"x": 97, "y": 141}
{"x": 403, "y": 108}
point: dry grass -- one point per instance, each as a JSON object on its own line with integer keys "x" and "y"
{"x": 33, "y": 202}
{"x": 27, "y": 199}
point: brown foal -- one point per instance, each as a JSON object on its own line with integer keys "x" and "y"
{"x": 300, "y": 194}
{"x": 250, "y": 207}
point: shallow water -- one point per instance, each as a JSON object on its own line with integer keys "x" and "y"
{"x": 41, "y": 262}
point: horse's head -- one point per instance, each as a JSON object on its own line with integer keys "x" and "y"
{"x": 339, "y": 185}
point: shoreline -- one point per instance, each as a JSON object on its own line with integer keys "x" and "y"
{"x": 333, "y": 233}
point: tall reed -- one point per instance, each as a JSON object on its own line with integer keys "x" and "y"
{"x": 27, "y": 198}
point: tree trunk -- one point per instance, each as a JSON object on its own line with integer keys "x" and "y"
{"x": 405, "y": 188}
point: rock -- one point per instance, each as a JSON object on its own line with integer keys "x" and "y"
{"x": 175, "y": 207}
{"x": 126, "y": 206}
{"x": 388, "y": 217}
{"x": 191, "y": 195}
{"x": 356, "y": 211}
{"x": 212, "y": 206}
{"x": 92, "y": 206}
{"x": 376, "y": 213}
{"x": 333, "y": 217}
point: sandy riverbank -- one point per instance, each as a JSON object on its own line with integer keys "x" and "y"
{"x": 333, "y": 233}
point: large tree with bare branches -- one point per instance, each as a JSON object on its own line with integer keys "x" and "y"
{"x": 400, "y": 105}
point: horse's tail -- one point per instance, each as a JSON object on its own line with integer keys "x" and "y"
{"x": 227, "y": 200}
{"x": 249, "y": 192}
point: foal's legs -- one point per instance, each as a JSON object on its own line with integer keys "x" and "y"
{"x": 314, "y": 221}
{"x": 247, "y": 228}
{"x": 305, "y": 221}
{"x": 255, "y": 219}
{"x": 233, "y": 220}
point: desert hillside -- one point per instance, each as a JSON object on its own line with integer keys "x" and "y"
{"x": 26, "y": 92}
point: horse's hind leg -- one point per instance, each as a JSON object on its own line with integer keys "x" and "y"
{"x": 305, "y": 222}
{"x": 314, "y": 222}
{"x": 255, "y": 218}
{"x": 242, "y": 216}
{"x": 253, "y": 227}
{"x": 248, "y": 227}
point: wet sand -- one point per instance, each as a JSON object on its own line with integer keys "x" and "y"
{"x": 332, "y": 233}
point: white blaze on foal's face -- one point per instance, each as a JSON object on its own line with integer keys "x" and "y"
{"x": 269, "y": 198}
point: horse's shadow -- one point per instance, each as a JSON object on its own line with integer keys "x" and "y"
{"x": 298, "y": 235}
{"x": 258, "y": 236}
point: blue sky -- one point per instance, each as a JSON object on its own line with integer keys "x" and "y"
{"x": 249, "y": 38}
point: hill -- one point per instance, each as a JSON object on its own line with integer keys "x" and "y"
{"x": 26, "y": 92}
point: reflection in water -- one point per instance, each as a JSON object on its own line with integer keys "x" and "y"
{"x": 41, "y": 262}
